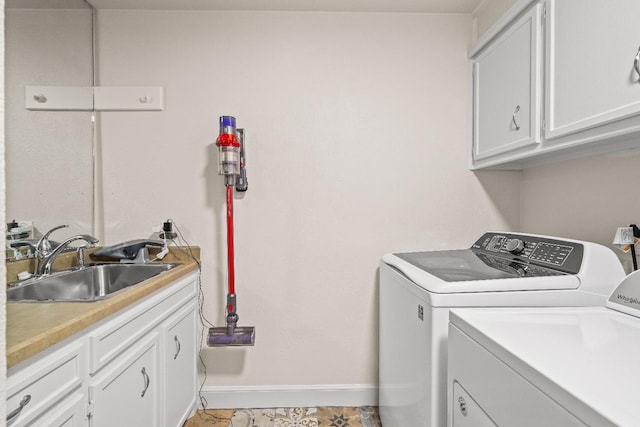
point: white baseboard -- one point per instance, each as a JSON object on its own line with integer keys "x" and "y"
{"x": 306, "y": 396}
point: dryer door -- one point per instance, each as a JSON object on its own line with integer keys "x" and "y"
{"x": 466, "y": 412}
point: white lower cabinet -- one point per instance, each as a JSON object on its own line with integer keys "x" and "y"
{"x": 178, "y": 362}
{"x": 135, "y": 368}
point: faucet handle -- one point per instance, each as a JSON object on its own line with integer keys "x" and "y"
{"x": 81, "y": 259}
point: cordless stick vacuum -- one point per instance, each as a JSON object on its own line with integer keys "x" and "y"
{"x": 231, "y": 164}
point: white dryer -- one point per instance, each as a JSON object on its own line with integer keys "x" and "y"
{"x": 418, "y": 289}
{"x": 547, "y": 366}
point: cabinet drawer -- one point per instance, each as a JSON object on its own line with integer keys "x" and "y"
{"x": 109, "y": 341}
{"x": 44, "y": 384}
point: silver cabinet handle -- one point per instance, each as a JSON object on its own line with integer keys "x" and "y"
{"x": 636, "y": 62}
{"x": 177, "y": 341}
{"x": 25, "y": 400}
{"x": 513, "y": 118}
{"x": 147, "y": 381}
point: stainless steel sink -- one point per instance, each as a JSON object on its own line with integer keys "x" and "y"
{"x": 91, "y": 283}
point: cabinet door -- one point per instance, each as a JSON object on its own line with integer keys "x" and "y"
{"x": 126, "y": 394}
{"x": 507, "y": 89}
{"x": 179, "y": 366}
{"x": 593, "y": 70}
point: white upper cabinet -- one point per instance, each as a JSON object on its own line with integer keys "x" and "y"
{"x": 506, "y": 89}
{"x": 592, "y": 64}
{"x": 590, "y": 83}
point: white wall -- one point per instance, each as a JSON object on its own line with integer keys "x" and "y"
{"x": 357, "y": 144}
{"x": 583, "y": 199}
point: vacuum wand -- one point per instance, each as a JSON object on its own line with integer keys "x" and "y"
{"x": 232, "y": 316}
{"x": 229, "y": 147}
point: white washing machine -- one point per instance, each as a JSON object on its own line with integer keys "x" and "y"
{"x": 547, "y": 366}
{"x": 418, "y": 289}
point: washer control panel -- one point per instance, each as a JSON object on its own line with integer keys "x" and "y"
{"x": 551, "y": 253}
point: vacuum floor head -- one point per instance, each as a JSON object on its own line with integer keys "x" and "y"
{"x": 242, "y": 335}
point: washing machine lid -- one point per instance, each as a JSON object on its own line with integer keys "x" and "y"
{"x": 475, "y": 279}
{"x": 495, "y": 262}
{"x": 466, "y": 264}
{"x": 584, "y": 358}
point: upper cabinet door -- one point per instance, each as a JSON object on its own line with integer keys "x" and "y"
{"x": 592, "y": 64}
{"x": 507, "y": 89}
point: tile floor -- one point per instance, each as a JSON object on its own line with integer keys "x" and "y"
{"x": 365, "y": 416}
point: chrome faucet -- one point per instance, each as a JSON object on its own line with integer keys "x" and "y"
{"x": 46, "y": 261}
{"x": 44, "y": 247}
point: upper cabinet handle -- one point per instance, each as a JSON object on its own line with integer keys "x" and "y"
{"x": 636, "y": 63}
{"x": 513, "y": 118}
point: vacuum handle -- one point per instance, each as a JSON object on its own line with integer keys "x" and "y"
{"x": 241, "y": 180}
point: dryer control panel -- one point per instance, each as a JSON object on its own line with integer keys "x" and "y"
{"x": 556, "y": 254}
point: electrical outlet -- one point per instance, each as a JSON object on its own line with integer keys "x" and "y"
{"x": 626, "y": 235}
{"x": 25, "y": 224}
{"x": 24, "y": 230}
{"x": 167, "y": 230}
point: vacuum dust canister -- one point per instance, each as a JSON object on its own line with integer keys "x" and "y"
{"x": 228, "y": 147}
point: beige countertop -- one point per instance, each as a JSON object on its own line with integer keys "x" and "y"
{"x": 35, "y": 326}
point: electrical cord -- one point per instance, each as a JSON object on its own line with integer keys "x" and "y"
{"x": 185, "y": 247}
{"x": 636, "y": 234}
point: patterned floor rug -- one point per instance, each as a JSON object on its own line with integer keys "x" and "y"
{"x": 365, "y": 416}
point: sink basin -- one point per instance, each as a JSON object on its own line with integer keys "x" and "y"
{"x": 92, "y": 283}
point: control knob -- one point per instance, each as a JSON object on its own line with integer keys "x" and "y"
{"x": 515, "y": 246}
{"x": 517, "y": 269}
